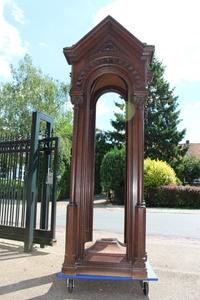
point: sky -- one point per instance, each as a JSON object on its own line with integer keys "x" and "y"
{"x": 43, "y": 27}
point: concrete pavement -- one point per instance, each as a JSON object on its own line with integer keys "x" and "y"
{"x": 32, "y": 276}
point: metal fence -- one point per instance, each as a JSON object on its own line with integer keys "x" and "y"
{"x": 14, "y": 159}
{"x": 28, "y": 175}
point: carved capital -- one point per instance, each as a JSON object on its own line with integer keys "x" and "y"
{"x": 139, "y": 100}
{"x": 77, "y": 100}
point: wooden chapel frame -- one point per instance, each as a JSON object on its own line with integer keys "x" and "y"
{"x": 108, "y": 58}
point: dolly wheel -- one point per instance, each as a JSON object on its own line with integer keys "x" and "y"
{"x": 70, "y": 285}
{"x": 145, "y": 288}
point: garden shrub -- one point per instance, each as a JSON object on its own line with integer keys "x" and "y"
{"x": 112, "y": 174}
{"x": 157, "y": 173}
{"x": 172, "y": 196}
{"x": 189, "y": 169}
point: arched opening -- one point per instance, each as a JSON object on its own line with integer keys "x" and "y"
{"x": 108, "y": 81}
{"x": 114, "y": 81}
{"x": 110, "y": 142}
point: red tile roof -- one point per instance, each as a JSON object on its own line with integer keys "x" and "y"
{"x": 194, "y": 149}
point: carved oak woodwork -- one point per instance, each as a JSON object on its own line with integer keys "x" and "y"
{"x": 108, "y": 58}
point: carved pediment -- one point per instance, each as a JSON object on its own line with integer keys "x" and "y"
{"x": 108, "y": 46}
{"x": 112, "y": 30}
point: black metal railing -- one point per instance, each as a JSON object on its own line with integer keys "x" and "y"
{"x": 14, "y": 159}
{"x": 28, "y": 175}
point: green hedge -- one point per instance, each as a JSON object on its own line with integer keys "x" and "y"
{"x": 174, "y": 197}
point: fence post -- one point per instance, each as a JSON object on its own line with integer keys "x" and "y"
{"x": 54, "y": 190}
{"x": 31, "y": 184}
{"x": 44, "y": 215}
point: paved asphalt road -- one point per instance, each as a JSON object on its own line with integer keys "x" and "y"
{"x": 165, "y": 222}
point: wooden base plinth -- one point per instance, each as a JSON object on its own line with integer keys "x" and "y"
{"x": 107, "y": 257}
{"x": 107, "y": 251}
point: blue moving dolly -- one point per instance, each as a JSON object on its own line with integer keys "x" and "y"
{"x": 144, "y": 282}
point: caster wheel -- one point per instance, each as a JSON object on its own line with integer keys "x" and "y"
{"x": 70, "y": 285}
{"x": 145, "y": 288}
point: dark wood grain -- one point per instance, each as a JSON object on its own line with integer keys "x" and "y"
{"x": 108, "y": 58}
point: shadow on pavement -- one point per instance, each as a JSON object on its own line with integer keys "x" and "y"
{"x": 94, "y": 290}
{"x": 90, "y": 290}
{"x": 10, "y": 251}
{"x": 26, "y": 284}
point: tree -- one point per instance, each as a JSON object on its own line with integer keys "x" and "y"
{"x": 162, "y": 137}
{"x": 117, "y": 136}
{"x": 113, "y": 163}
{"x": 102, "y": 147}
{"x": 63, "y": 129}
{"x": 189, "y": 169}
{"x": 29, "y": 90}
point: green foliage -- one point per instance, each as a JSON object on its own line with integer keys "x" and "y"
{"x": 113, "y": 173}
{"x": 189, "y": 169}
{"x": 102, "y": 147}
{"x": 162, "y": 137}
{"x": 157, "y": 173}
{"x": 107, "y": 140}
{"x": 29, "y": 90}
{"x": 174, "y": 197}
{"x": 117, "y": 136}
{"x": 14, "y": 183}
{"x": 64, "y": 131}
{"x": 64, "y": 182}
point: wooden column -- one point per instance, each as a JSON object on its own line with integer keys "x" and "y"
{"x": 89, "y": 174}
{"x": 130, "y": 183}
{"x": 140, "y": 208}
{"x": 73, "y": 232}
{"x": 135, "y": 206}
